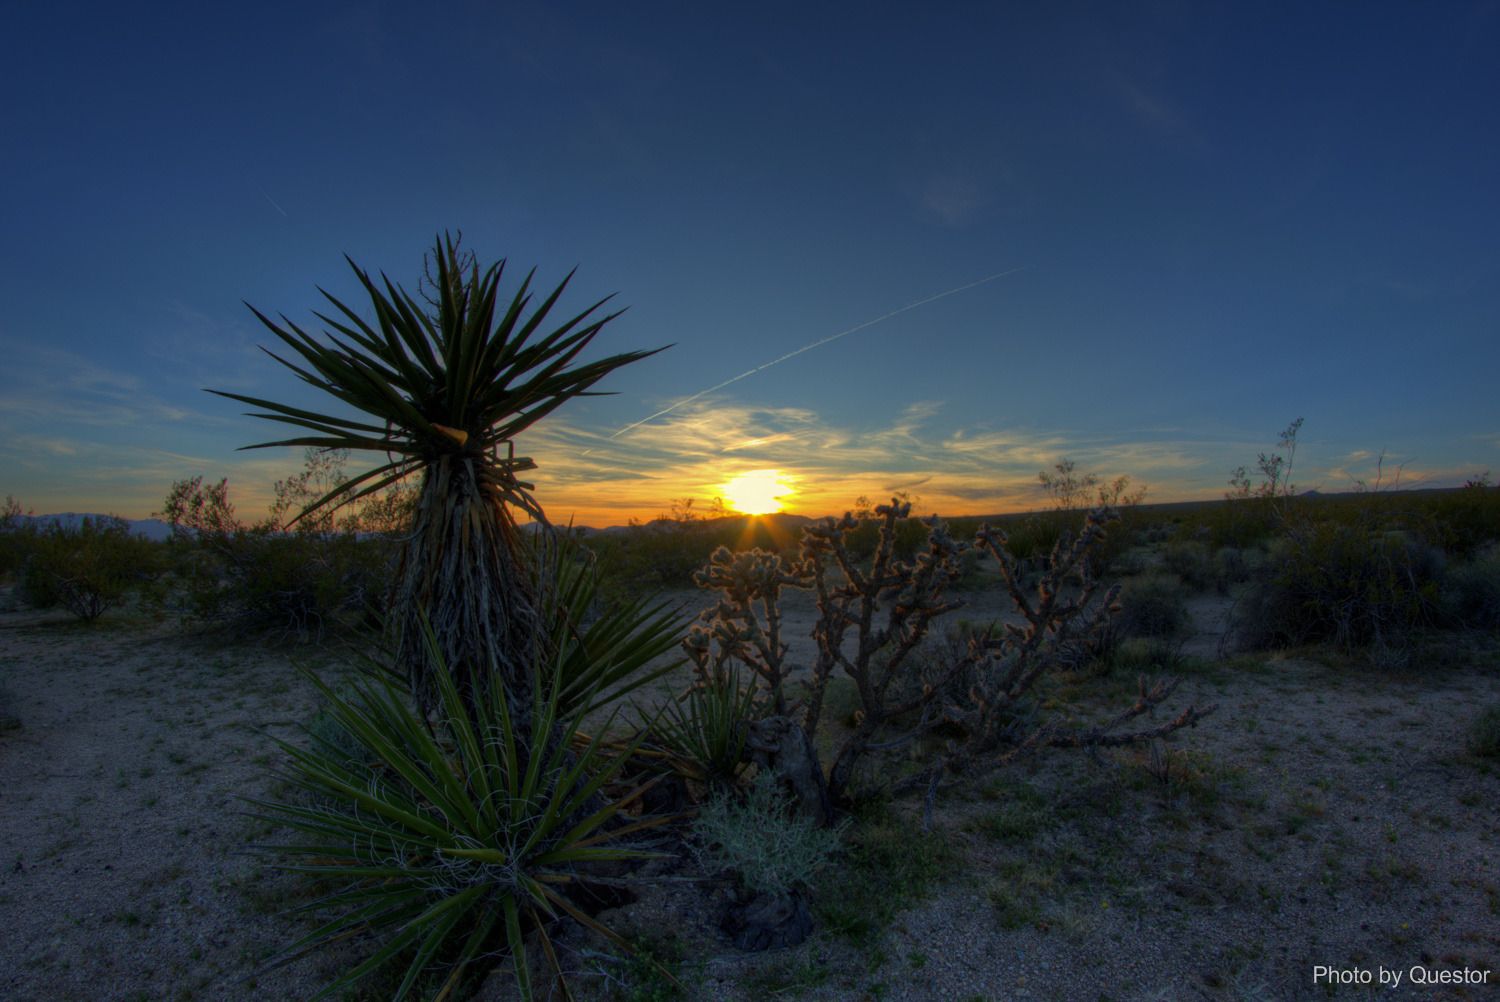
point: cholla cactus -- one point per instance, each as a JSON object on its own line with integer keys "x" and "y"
{"x": 745, "y": 624}
{"x": 1011, "y": 663}
{"x": 873, "y": 618}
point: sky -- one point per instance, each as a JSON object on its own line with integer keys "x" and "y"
{"x": 1212, "y": 219}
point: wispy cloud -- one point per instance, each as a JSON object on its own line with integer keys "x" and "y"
{"x": 694, "y": 450}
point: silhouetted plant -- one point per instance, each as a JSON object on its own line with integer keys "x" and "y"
{"x": 441, "y": 392}
{"x": 16, "y": 537}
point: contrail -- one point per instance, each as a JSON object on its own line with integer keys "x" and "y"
{"x": 809, "y": 347}
{"x": 273, "y": 203}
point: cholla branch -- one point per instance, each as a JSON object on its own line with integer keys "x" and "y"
{"x": 745, "y": 624}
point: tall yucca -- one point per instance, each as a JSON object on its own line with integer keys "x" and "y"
{"x": 441, "y": 390}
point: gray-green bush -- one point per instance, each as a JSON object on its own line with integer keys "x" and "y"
{"x": 87, "y": 569}
{"x": 1471, "y": 590}
{"x": 1152, "y": 605}
{"x": 763, "y": 840}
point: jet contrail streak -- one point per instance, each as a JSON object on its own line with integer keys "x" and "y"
{"x": 273, "y": 203}
{"x": 809, "y": 347}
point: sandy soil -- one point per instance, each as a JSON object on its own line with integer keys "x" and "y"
{"x": 1327, "y": 815}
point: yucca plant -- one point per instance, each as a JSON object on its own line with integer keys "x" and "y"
{"x": 602, "y": 649}
{"x": 441, "y": 391}
{"x": 444, "y": 846}
{"x": 705, "y": 730}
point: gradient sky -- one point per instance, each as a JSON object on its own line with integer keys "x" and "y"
{"x": 1225, "y": 216}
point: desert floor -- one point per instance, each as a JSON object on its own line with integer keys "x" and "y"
{"x": 1327, "y": 814}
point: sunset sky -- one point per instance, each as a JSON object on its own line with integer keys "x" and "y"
{"x": 1214, "y": 218}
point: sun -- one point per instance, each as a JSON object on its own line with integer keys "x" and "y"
{"x": 756, "y": 492}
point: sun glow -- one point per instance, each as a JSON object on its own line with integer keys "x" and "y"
{"x": 756, "y": 492}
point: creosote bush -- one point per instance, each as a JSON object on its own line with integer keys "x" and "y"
{"x": 1152, "y": 605}
{"x": 1346, "y": 583}
{"x": 86, "y": 569}
{"x": 1471, "y": 590}
{"x": 257, "y": 576}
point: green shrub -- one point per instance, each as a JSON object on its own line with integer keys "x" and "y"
{"x": 1471, "y": 590}
{"x": 1342, "y": 582}
{"x": 1231, "y": 566}
{"x": 447, "y": 839}
{"x": 1461, "y": 521}
{"x": 298, "y": 583}
{"x": 770, "y": 848}
{"x": 16, "y": 538}
{"x": 88, "y": 569}
{"x": 1151, "y": 606}
{"x": 1190, "y": 560}
{"x": 1137, "y": 656}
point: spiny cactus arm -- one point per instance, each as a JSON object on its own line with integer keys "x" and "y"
{"x": 993, "y": 542}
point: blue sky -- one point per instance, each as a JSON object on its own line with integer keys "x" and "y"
{"x": 1225, "y": 216}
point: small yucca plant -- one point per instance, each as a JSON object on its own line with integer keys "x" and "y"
{"x": 444, "y": 847}
{"x": 705, "y": 730}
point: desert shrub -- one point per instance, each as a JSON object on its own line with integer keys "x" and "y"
{"x": 299, "y": 583}
{"x": 445, "y": 839}
{"x": 1344, "y": 583}
{"x": 1462, "y": 521}
{"x": 1471, "y": 590}
{"x": 1151, "y": 606}
{"x": 1231, "y": 566}
{"x": 1190, "y": 560}
{"x": 86, "y": 569}
{"x": 1132, "y": 562}
{"x": 653, "y": 556}
{"x": 770, "y": 848}
{"x": 259, "y": 577}
{"x": 16, "y": 538}
{"x": 1134, "y": 656}
{"x": 1484, "y": 733}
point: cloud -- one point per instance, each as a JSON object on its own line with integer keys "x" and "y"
{"x": 695, "y": 449}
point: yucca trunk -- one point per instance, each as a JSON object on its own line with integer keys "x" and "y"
{"x": 464, "y": 570}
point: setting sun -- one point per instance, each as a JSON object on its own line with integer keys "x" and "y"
{"x": 756, "y": 492}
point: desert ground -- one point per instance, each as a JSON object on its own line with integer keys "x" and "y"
{"x": 1326, "y": 818}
